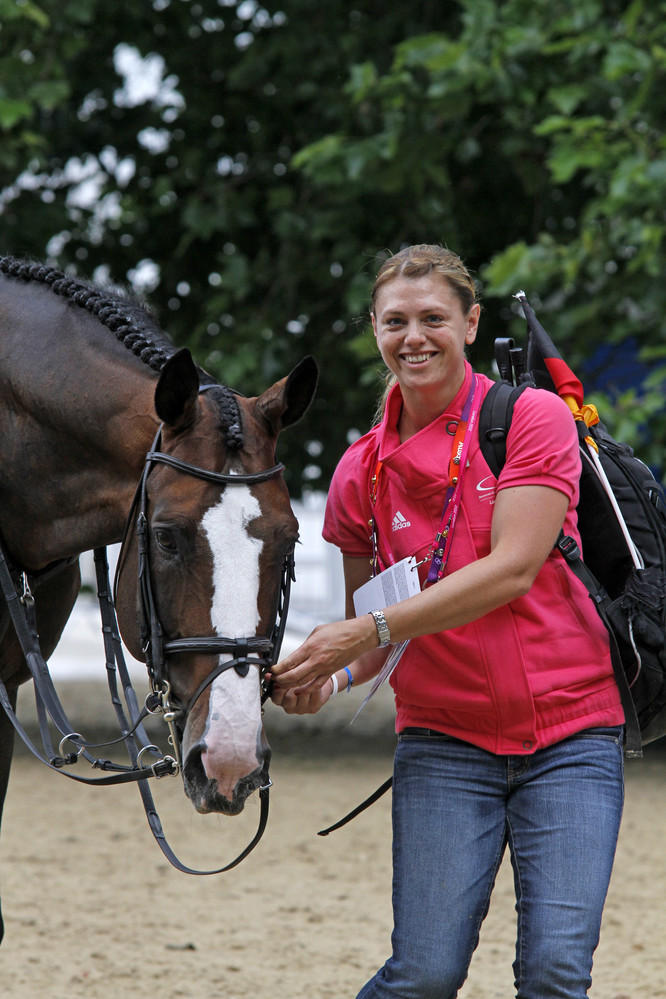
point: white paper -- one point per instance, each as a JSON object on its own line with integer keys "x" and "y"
{"x": 391, "y": 586}
{"x": 384, "y": 673}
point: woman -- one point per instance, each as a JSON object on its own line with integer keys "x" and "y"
{"x": 508, "y": 716}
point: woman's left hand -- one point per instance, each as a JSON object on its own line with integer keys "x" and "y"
{"x": 301, "y": 700}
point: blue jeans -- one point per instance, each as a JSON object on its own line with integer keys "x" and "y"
{"x": 455, "y": 807}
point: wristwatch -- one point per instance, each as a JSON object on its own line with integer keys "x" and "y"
{"x": 383, "y": 632}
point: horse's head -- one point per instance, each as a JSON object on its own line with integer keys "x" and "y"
{"x": 201, "y": 574}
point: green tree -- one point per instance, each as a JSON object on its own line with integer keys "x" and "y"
{"x": 535, "y": 135}
{"x": 187, "y": 188}
{"x": 246, "y": 163}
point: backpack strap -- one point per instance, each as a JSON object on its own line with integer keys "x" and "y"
{"x": 601, "y": 600}
{"x": 495, "y": 421}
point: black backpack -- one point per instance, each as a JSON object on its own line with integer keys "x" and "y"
{"x": 622, "y": 524}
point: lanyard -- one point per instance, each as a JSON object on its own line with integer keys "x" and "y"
{"x": 441, "y": 547}
{"x": 457, "y": 463}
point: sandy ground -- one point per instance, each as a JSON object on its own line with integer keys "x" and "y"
{"x": 93, "y": 910}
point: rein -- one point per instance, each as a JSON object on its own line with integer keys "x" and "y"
{"x": 244, "y": 651}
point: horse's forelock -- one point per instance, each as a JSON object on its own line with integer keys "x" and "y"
{"x": 229, "y": 413}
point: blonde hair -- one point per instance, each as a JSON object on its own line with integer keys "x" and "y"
{"x": 426, "y": 258}
{"x": 416, "y": 262}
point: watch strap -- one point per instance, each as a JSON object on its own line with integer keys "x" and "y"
{"x": 383, "y": 633}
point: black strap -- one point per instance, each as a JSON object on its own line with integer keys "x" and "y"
{"x": 161, "y": 840}
{"x": 241, "y": 663}
{"x": 494, "y": 423}
{"x": 375, "y": 796}
{"x": 572, "y": 554}
{"x": 114, "y": 655}
{"x": 223, "y": 478}
{"x": 157, "y": 770}
{"x": 117, "y": 667}
{"x": 49, "y": 705}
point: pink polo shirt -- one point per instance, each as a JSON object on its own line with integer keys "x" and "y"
{"x": 529, "y": 673}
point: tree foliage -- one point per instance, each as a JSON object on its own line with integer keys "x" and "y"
{"x": 247, "y": 164}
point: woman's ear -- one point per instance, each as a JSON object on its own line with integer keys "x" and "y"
{"x": 472, "y": 323}
{"x": 373, "y": 320}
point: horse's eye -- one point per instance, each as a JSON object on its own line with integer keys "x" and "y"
{"x": 166, "y": 541}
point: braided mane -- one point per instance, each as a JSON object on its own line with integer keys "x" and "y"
{"x": 132, "y": 324}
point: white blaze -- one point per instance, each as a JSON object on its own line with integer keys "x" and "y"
{"x": 234, "y": 712}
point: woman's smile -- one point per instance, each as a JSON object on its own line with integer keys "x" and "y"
{"x": 417, "y": 358}
{"x": 422, "y": 331}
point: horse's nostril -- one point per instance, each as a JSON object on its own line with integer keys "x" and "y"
{"x": 193, "y": 771}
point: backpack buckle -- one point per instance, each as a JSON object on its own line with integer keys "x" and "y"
{"x": 569, "y": 548}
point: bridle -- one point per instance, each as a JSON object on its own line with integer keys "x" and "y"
{"x": 257, "y": 650}
{"x": 253, "y": 650}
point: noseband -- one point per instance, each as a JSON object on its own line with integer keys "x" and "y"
{"x": 254, "y": 650}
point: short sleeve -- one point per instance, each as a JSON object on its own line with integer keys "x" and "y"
{"x": 542, "y": 445}
{"x": 348, "y": 507}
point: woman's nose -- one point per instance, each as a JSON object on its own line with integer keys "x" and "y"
{"x": 414, "y": 332}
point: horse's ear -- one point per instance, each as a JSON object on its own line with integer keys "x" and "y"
{"x": 177, "y": 391}
{"x": 285, "y": 402}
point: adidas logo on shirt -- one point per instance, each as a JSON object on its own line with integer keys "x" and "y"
{"x": 399, "y": 522}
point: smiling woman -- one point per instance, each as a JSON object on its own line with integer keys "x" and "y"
{"x": 508, "y": 717}
{"x": 422, "y": 329}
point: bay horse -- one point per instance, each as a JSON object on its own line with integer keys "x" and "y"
{"x": 89, "y": 386}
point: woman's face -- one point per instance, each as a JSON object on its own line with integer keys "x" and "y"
{"x": 422, "y": 332}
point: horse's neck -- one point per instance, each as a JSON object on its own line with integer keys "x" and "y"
{"x": 73, "y": 471}
{"x": 76, "y": 419}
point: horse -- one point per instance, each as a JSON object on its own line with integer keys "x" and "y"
{"x": 110, "y": 433}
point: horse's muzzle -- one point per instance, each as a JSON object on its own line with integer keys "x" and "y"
{"x": 226, "y": 793}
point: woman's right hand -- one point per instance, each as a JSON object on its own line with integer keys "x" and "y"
{"x": 306, "y": 700}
